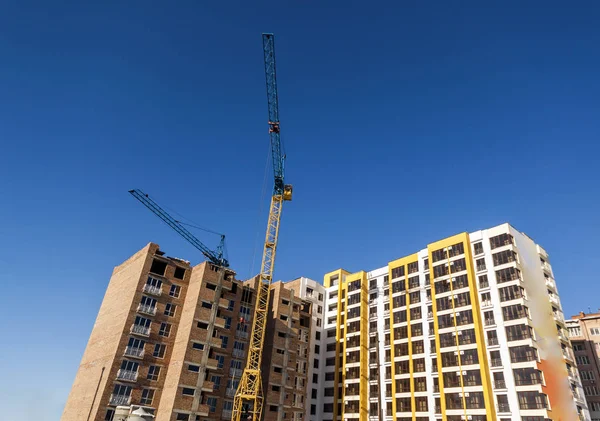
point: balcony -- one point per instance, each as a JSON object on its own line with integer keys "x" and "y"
{"x": 117, "y": 400}
{"x": 212, "y": 364}
{"x": 503, "y": 408}
{"x": 216, "y": 342}
{"x": 224, "y": 303}
{"x": 499, "y": 384}
{"x": 226, "y": 414}
{"x": 230, "y": 393}
{"x": 208, "y": 386}
{"x": 481, "y": 268}
{"x": 549, "y": 283}
{"x": 220, "y": 322}
{"x": 241, "y": 335}
{"x": 546, "y": 267}
{"x": 238, "y": 353}
{"x": 553, "y": 298}
{"x": 489, "y": 322}
{"x": 146, "y": 309}
{"x": 203, "y": 410}
{"x": 153, "y": 290}
{"x": 140, "y": 330}
{"x": 131, "y": 351}
{"x": 484, "y": 284}
{"x": 487, "y": 303}
{"x": 493, "y": 342}
{"x": 127, "y": 375}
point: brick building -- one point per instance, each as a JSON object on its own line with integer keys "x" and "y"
{"x": 286, "y": 352}
{"x": 168, "y": 337}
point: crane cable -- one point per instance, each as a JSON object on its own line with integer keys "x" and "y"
{"x": 260, "y": 211}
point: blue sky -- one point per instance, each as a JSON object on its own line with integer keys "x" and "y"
{"x": 403, "y": 123}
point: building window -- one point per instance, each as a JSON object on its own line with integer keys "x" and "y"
{"x": 188, "y": 391}
{"x": 330, "y": 376}
{"x": 165, "y": 329}
{"x": 159, "y": 350}
{"x": 194, "y": 368}
{"x": 315, "y": 377}
{"x": 153, "y": 372}
{"x": 199, "y": 346}
{"x": 147, "y": 396}
{"x": 170, "y": 309}
{"x": 574, "y": 331}
{"x": 277, "y": 369}
{"x": 595, "y": 331}
{"x": 158, "y": 266}
{"x": 330, "y": 361}
{"x": 207, "y": 305}
{"x": 175, "y": 291}
{"x": 320, "y": 297}
{"x": 273, "y": 408}
{"x": 501, "y": 240}
{"x": 224, "y": 342}
{"x": 110, "y": 413}
{"x": 212, "y": 404}
{"x": 587, "y": 375}
{"x": 478, "y": 248}
{"x": 582, "y": 360}
{"x": 182, "y": 417}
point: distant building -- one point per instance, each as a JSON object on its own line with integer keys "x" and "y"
{"x": 584, "y": 332}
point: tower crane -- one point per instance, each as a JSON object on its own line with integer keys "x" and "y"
{"x": 249, "y": 396}
{"x": 215, "y": 257}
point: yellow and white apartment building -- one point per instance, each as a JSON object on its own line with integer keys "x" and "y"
{"x": 468, "y": 328}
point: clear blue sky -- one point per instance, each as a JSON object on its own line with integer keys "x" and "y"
{"x": 404, "y": 123}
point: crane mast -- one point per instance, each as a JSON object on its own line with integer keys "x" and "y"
{"x": 249, "y": 396}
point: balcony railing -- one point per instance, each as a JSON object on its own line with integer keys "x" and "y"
{"x": 484, "y": 284}
{"x": 127, "y": 375}
{"x": 532, "y": 405}
{"x": 489, "y": 322}
{"x": 152, "y": 289}
{"x": 146, "y": 309}
{"x": 492, "y": 341}
{"x": 527, "y": 381}
{"x": 503, "y": 407}
{"x": 131, "y": 351}
{"x": 499, "y": 384}
{"x": 230, "y": 392}
{"x": 119, "y": 399}
{"x": 238, "y": 353}
{"x": 140, "y": 330}
{"x": 487, "y": 303}
{"x": 496, "y": 362}
{"x": 554, "y": 298}
{"x": 235, "y": 372}
{"x": 481, "y": 268}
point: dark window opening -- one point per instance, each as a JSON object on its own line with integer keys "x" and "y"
{"x": 159, "y": 267}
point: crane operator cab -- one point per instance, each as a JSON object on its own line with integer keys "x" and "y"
{"x": 287, "y": 192}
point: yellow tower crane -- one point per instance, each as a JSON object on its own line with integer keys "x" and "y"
{"x": 248, "y": 402}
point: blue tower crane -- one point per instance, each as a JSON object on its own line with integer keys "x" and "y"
{"x": 216, "y": 257}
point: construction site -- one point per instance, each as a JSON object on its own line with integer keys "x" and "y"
{"x": 468, "y": 327}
